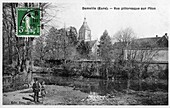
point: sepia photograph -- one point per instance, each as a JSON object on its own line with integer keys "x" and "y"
{"x": 85, "y": 52}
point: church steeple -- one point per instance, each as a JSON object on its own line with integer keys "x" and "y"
{"x": 84, "y": 20}
{"x": 84, "y": 32}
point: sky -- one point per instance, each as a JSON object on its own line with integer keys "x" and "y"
{"x": 145, "y": 23}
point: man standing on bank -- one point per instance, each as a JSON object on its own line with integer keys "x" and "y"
{"x": 43, "y": 91}
{"x": 36, "y": 89}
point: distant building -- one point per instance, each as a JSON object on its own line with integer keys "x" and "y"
{"x": 85, "y": 35}
{"x": 155, "y": 48}
{"x": 152, "y": 51}
{"x": 84, "y": 32}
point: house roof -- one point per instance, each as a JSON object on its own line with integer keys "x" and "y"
{"x": 143, "y": 42}
{"x": 91, "y": 43}
{"x": 163, "y": 42}
{"x": 118, "y": 45}
{"x": 154, "y": 41}
{"x": 150, "y": 39}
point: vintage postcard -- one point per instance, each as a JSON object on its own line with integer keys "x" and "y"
{"x": 85, "y": 53}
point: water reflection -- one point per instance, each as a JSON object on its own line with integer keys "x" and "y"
{"x": 104, "y": 87}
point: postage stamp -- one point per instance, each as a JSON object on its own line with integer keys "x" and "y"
{"x": 28, "y": 22}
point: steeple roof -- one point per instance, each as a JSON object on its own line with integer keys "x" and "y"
{"x": 84, "y": 26}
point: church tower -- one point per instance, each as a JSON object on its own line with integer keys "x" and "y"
{"x": 84, "y": 32}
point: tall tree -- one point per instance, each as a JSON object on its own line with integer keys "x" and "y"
{"x": 56, "y": 44}
{"x": 19, "y": 48}
{"x": 105, "y": 46}
{"x": 124, "y": 39}
{"x": 84, "y": 49}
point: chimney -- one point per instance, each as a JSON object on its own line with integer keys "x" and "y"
{"x": 166, "y": 35}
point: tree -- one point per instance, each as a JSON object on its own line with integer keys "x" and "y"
{"x": 142, "y": 53}
{"x": 125, "y": 36}
{"x": 39, "y": 49}
{"x": 56, "y": 44}
{"x": 18, "y": 49}
{"x": 72, "y": 35}
{"x": 84, "y": 49}
{"x": 135, "y": 55}
{"x": 105, "y": 46}
{"x": 124, "y": 39}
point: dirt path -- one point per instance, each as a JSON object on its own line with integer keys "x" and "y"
{"x": 63, "y": 95}
{"x": 55, "y": 95}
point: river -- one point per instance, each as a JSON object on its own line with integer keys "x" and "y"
{"x": 141, "y": 90}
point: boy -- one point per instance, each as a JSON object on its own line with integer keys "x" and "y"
{"x": 36, "y": 89}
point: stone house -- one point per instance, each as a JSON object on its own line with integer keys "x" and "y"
{"x": 152, "y": 51}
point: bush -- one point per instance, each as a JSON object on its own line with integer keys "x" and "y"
{"x": 163, "y": 74}
{"x": 17, "y": 84}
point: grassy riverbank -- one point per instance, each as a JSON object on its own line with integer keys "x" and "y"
{"x": 63, "y": 95}
{"x": 55, "y": 95}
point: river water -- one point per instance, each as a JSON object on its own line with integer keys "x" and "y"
{"x": 104, "y": 87}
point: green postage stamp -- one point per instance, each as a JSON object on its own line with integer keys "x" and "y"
{"x": 28, "y": 22}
